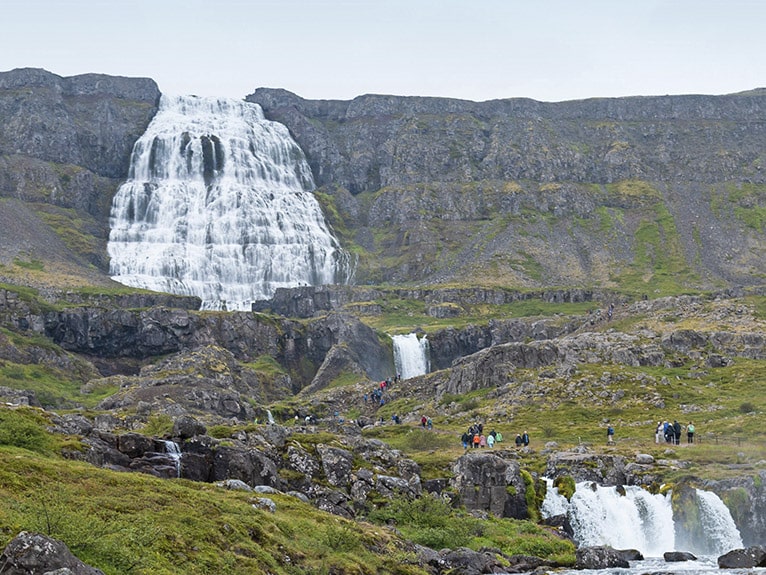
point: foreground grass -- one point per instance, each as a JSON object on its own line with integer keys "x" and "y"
{"x": 135, "y": 523}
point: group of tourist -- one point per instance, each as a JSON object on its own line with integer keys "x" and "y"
{"x": 379, "y": 395}
{"x": 671, "y": 432}
{"x": 474, "y": 437}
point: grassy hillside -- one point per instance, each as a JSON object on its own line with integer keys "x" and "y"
{"x": 135, "y": 523}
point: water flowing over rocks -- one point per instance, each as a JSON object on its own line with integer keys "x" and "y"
{"x": 218, "y": 204}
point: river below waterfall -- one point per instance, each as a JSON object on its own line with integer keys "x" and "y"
{"x": 657, "y": 566}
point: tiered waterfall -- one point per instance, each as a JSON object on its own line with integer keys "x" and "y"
{"x": 219, "y": 204}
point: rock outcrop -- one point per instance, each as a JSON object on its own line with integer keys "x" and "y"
{"x": 493, "y": 483}
{"x": 749, "y": 558}
{"x": 33, "y": 553}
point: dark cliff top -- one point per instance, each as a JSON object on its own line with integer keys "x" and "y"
{"x": 749, "y": 105}
{"x": 142, "y": 89}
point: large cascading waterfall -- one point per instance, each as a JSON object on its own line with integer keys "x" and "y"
{"x": 218, "y": 204}
{"x": 640, "y": 520}
{"x": 411, "y": 355}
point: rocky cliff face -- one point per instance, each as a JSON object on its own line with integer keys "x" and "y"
{"x": 65, "y": 147}
{"x": 437, "y": 189}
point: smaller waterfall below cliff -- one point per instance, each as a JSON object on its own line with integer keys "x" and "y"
{"x": 640, "y": 520}
{"x": 411, "y": 355}
{"x": 716, "y": 520}
{"x": 174, "y": 452}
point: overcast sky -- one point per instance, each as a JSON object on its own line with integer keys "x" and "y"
{"x": 549, "y": 50}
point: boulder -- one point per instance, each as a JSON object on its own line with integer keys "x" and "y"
{"x": 464, "y": 561}
{"x": 486, "y": 482}
{"x": 134, "y": 444}
{"x": 631, "y": 554}
{"x": 33, "y": 553}
{"x": 748, "y": 558}
{"x": 185, "y": 427}
{"x": 337, "y": 464}
{"x": 600, "y": 558}
{"x": 675, "y": 556}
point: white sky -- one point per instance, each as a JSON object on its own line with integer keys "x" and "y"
{"x": 549, "y": 50}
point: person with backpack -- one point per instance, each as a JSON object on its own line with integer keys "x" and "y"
{"x": 690, "y": 433}
{"x": 610, "y": 435}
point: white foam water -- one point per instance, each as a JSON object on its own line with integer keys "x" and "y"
{"x": 411, "y": 355}
{"x": 219, "y": 204}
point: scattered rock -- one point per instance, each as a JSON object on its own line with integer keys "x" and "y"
{"x": 32, "y": 554}
{"x": 750, "y": 557}
{"x": 599, "y": 558}
{"x": 673, "y": 556}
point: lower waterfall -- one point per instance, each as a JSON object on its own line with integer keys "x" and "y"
{"x": 411, "y": 355}
{"x": 219, "y": 204}
{"x": 174, "y": 452}
{"x": 640, "y": 520}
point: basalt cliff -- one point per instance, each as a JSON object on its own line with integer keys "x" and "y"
{"x": 644, "y": 193}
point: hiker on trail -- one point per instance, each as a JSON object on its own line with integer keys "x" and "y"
{"x": 476, "y": 440}
{"x": 465, "y": 438}
{"x": 659, "y": 433}
{"x": 676, "y": 432}
{"x": 423, "y": 421}
{"x": 490, "y": 441}
{"x": 519, "y": 440}
{"x": 610, "y": 435}
{"x": 498, "y": 437}
{"x": 690, "y": 433}
{"x": 525, "y": 439}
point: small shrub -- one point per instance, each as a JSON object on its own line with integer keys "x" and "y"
{"x": 25, "y": 429}
{"x": 158, "y": 425}
{"x": 220, "y": 431}
{"x": 747, "y": 407}
{"x": 341, "y": 538}
{"x": 566, "y": 486}
{"x": 421, "y": 440}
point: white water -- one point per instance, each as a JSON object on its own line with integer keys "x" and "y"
{"x": 411, "y": 355}
{"x": 174, "y": 452}
{"x": 718, "y": 522}
{"x": 638, "y": 520}
{"x": 218, "y": 204}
